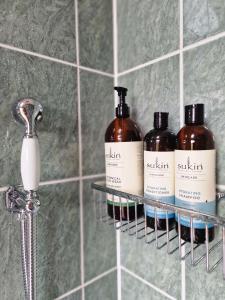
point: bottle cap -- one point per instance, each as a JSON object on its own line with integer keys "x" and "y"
{"x": 122, "y": 110}
{"x": 194, "y": 114}
{"x": 161, "y": 120}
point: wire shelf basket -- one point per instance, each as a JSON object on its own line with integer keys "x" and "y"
{"x": 165, "y": 239}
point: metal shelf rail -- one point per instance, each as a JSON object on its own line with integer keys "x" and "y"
{"x": 138, "y": 226}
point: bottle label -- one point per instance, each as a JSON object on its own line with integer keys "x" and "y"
{"x": 195, "y": 186}
{"x": 159, "y": 181}
{"x": 124, "y": 170}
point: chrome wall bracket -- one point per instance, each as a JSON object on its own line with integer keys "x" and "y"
{"x": 18, "y": 202}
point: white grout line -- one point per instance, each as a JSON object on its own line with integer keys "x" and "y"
{"x": 181, "y": 65}
{"x": 205, "y": 41}
{"x": 181, "y": 87}
{"x": 115, "y": 69}
{"x": 96, "y": 71}
{"x": 56, "y": 181}
{"x": 181, "y": 25}
{"x": 78, "y": 87}
{"x": 5, "y": 46}
{"x": 115, "y": 48}
{"x": 86, "y": 283}
{"x": 64, "y": 62}
{"x": 118, "y": 259}
{"x": 70, "y": 292}
{"x": 147, "y": 283}
{"x": 61, "y": 181}
{"x": 93, "y": 176}
{"x": 115, "y": 38}
{"x": 82, "y": 271}
{"x": 148, "y": 63}
{"x": 151, "y": 62}
{"x": 174, "y": 53}
{"x": 85, "y": 177}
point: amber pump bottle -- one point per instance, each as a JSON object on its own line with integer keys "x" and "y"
{"x": 195, "y": 172}
{"x": 123, "y": 160}
{"x": 159, "y": 145}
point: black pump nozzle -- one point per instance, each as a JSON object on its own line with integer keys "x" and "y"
{"x": 122, "y": 92}
{"x": 122, "y": 110}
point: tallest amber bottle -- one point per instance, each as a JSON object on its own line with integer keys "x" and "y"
{"x": 123, "y": 160}
{"x": 195, "y": 173}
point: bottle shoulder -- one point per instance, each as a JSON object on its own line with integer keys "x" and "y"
{"x": 197, "y": 137}
{"x": 123, "y": 130}
{"x": 160, "y": 140}
{"x": 156, "y": 134}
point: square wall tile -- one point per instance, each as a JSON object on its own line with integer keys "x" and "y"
{"x": 58, "y": 241}
{"x": 153, "y": 265}
{"x": 146, "y": 30}
{"x": 99, "y": 237}
{"x": 95, "y": 34}
{"x": 134, "y": 289}
{"x": 54, "y": 85}
{"x": 46, "y": 27}
{"x": 199, "y": 283}
{"x": 204, "y": 76}
{"x": 104, "y": 288}
{"x": 203, "y": 285}
{"x": 97, "y": 111}
{"x": 202, "y": 18}
{"x": 154, "y": 88}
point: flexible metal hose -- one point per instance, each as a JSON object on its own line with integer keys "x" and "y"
{"x": 28, "y": 249}
{"x": 23, "y": 231}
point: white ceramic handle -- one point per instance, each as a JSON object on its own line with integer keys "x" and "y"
{"x": 30, "y": 164}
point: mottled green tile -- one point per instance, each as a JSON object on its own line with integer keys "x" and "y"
{"x": 58, "y": 240}
{"x": 202, "y": 18}
{"x": 203, "y": 285}
{"x": 153, "y": 265}
{"x": 99, "y": 237}
{"x": 46, "y": 27}
{"x": 104, "y": 288}
{"x": 154, "y": 88}
{"x": 97, "y": 106}
{"x": 146, "y": 30}
{"x": 134, "y": 289}
{"x": 204, "y": 76}
{"x": 199, "y": 283}
{"x": 95, "y": 34}
{"x": 54, "y": 85}
{"x": 11, "y": 271}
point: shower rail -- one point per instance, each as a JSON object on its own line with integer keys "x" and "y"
{"x": 138, "y": 226}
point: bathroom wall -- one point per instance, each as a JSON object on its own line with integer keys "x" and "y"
{"x": 60, "y": 53}
{"x": 171, "y": 53}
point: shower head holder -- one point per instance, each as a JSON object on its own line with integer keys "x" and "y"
{"x": 28, "y": 112}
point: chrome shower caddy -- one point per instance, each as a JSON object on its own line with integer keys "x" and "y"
{"x": 138, "y": 227}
